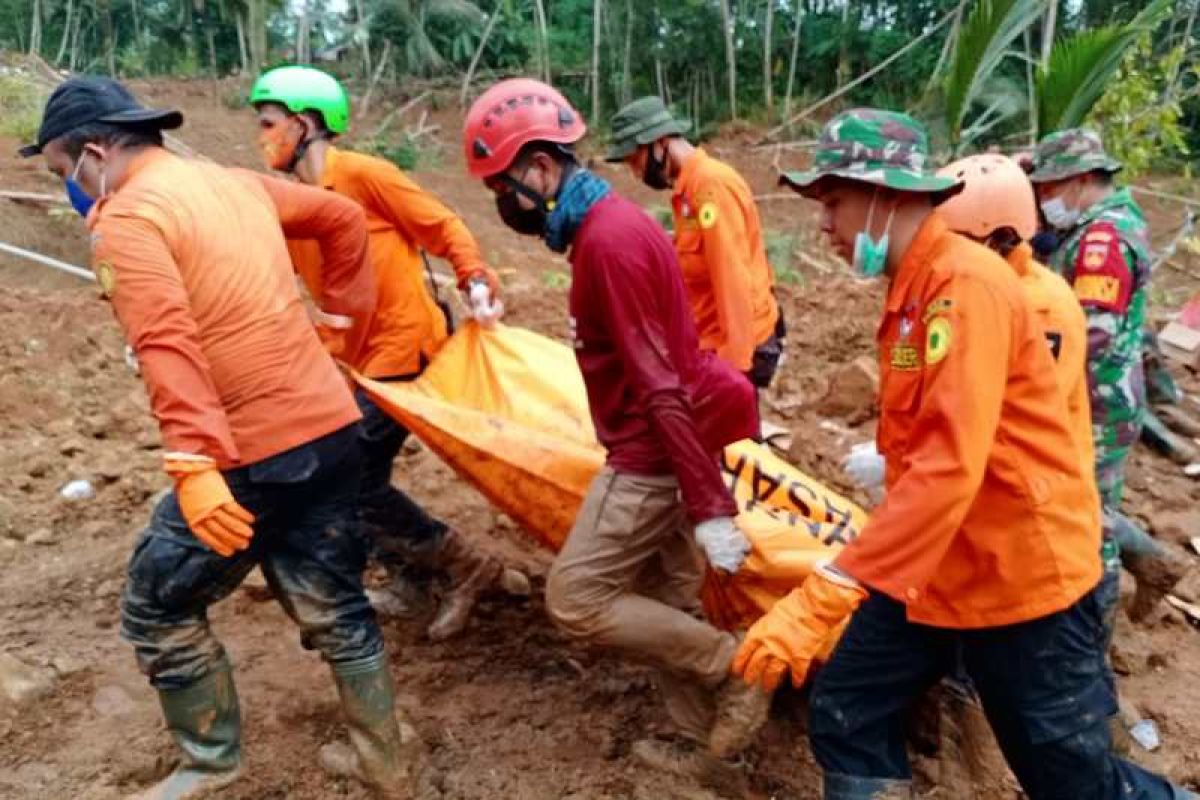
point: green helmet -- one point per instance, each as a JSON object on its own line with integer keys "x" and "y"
{"x": 300, "y": 89}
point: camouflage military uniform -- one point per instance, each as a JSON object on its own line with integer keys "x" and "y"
{"x": 1106, "y": 257}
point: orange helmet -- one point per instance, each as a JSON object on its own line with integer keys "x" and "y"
{"x": 509, "y": 116}
{"x": 996, "y": 194}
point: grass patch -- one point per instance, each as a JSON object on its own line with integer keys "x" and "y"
{"x": 408, "y": 152}
{"x": 781, "y": 255}
{"x": 22, "y": 100}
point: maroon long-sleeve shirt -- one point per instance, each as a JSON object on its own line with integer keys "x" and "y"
{"x": 659, "y": 405}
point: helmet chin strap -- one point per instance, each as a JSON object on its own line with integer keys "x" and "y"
{"x": 546, "y": 204}
{"x": 303, "y": 145}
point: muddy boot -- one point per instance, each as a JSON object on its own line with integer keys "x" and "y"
{"x": 1178, "y": 420}
{"x": 1156, "y": 575}
{"x": 1168, "y": 443}
{"x": 686, "y": 758}
{"x": 741, "y": 710}
{"x": 399, "y": 598}
{"x": 471, "y": 572}
{"x": 384, "y": 753}
{"x": 205, "y": 722}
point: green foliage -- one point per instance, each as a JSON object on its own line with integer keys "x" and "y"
{"x": 1081, "y": 68}
{"x": 983, "y": 42}
{"x": 781, "y": 249}
{"x": 1139, "y": 128}
{"x": 555, "y": 279}
{"x": 408, "y": 152}
{"x": 22, "y": 102}
{"x": 664, "y": 215}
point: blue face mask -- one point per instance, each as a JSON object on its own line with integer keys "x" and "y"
{"x": 80, "y": 200}
{"x": 870, "y": 255}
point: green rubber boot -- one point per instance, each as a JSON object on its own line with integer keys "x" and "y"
{"x": 205, "y": 721}
{"x": 385, "y": 753}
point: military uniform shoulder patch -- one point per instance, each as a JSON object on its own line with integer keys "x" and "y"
{"x": 106, "y": 276}
{"x": 1103, "y": 276}
{"x": 937, "y": 339}
{"x": 707, "y": 215}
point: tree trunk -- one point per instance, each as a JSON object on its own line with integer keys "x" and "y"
{"x": 364, "y": 37}
{"x": 1048, "y": 31}
{"x": 66, "y": 34}
{"x": 303, "y": 56}
{"x": 137, "y": 20}
{"x": 539, "y": 14}
{"x": 730, "y": 58}
{"x": 658, "y": 76}
{"x": 768, "y": 61}
{"x": 243, "y": 54}
{"x": 35, "y": 28}
{"x": 73, "y": 56}
{"x": 627, "y": 62}
{"x": 791, "y": 81}
{"x": 843, "y": 69}
{"x": 483, "y": 40}
{"x": 597, "y": 10}
{"x": 1031, "y": 87}
{"x": 257, "y": 24}
{"x": 110, "y": 39}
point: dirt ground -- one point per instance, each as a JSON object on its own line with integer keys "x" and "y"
{"x": 511, "y": 709}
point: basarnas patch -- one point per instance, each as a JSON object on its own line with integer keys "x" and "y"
{"x": 937, "y": 340}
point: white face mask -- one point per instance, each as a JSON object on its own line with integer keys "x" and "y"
{"x": 1059, "y": 215}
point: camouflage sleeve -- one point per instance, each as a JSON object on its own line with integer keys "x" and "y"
{"x": 1106, "y": 320}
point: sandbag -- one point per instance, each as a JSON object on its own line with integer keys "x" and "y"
{"x": 506, "y": 409}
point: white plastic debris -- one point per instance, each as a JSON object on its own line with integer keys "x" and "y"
{"x": 78, "y": 490}
{"x": 1145, "y": 733}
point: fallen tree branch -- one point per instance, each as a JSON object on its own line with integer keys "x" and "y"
{"x": 61, "y": 266}
{"x": 866, "y": 76}
{"x": 397, "y": 113}
{"x": 1168, "y": 250}
{"x": 34, "y": 197}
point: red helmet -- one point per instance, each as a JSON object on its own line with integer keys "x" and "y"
{"x": 509, "y": 116}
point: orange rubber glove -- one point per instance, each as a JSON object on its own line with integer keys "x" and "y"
{"x": 207, "y": 504}
{"x": 796, "y": 629}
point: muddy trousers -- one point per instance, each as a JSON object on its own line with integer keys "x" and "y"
{"x": 1044, "y": 690}
{"x": 629, "y": 578}
{"x": 307, "y": 541}
{"x": 397, "y": 528}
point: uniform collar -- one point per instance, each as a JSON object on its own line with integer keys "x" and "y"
{"x": 330, "y": 169}
{"x": 687, "y": 172}
{"x": 1120, "y": 198}
{"x": 140, "y": 162}
{"x": 916, "y": 259}
{"x": 1021, "y": 259}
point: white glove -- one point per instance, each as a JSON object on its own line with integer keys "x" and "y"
{"x": 865, "y": 466}
{"x": 485, "y": 309}
{"x": 724, "y": 545}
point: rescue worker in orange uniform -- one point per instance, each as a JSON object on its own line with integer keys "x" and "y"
{"x": 718, "y": 238}
{"x": 258, "y": 427}
{"x": 301, "y": 111}
{"x": 986, "y": 548}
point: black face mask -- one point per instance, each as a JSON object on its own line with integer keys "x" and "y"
{"x": 530, "y": 222}
{"x": 655, "y": 174}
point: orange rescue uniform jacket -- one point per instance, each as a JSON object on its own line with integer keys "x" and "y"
{"x": 193, "y": 259}
{"x": 989, "y": 517}
{"x": 719, "y": 241}
{"x": 402, "y": 219}
{"x": 1065, "y": 327}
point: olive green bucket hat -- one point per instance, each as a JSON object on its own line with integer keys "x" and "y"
{"x": 642, "y": 122}
{"x": 882, "y": 148}
{"x": 1068, "y": 153}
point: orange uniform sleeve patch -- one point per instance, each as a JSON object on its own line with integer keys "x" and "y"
{"x": 1103, "y": 277}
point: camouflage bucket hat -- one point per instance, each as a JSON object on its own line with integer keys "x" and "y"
{"x": 882, "y": 148}
{"x": 642, "y": 122}
{"x": 1068, "y": 153}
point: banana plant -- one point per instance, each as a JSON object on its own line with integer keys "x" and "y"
{"x": 1080, "y": 68}
{"x": 984, "y": 41}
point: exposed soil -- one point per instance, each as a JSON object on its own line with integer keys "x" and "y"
{"x": 511, "y": 708}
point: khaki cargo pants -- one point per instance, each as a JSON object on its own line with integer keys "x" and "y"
{"x": 629, "y": 578}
